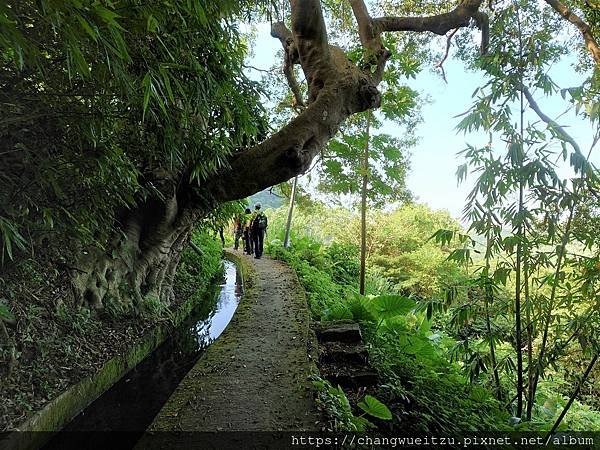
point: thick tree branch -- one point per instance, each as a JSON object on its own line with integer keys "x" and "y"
{"x": 483, "y": 23}
{"x": 310, "y": 35}
{"x": 282, "y": 156}
{"x": 376, "y": 53}
{"x": 288, "y": 70}
{"x": 280, "y": 31}
{"x": 368, "y": 37}
{"x": 584, "y": 28}
{"x": 440, "y": 24}
{"x": 308, "y": 24}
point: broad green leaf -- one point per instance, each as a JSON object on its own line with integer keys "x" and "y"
{"x": 425, "y": 325}
{"x": 375, "y": 408}
{"x": 388, "y": 306}
{"x": 338, "y": 311}
{"x": 359, "y": 309}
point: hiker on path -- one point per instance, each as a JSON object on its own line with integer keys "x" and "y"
{"x": 238, "y": 230}
{"x": 248, "y": 247}
{"x": 259, "y": 227}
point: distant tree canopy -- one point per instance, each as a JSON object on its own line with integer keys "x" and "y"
{"x": 122, "y": 123}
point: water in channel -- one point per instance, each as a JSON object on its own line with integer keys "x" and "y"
{"x": 128, "y": 408}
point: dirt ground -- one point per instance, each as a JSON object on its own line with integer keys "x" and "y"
{"x": 255, "y": 376}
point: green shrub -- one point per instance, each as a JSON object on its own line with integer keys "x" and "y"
{"x": 425, "y": 392}
{"x": 432, "y": 396}
{"x": 344, "y": 262}
{"x": 196, "y": 272}
{"x": 334, "y": 402}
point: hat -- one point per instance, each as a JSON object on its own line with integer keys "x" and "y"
{"x": 257, "y": 206}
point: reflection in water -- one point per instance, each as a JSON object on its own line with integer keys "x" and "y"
{"x": 211, "y": 328}
{"x": 133, "y": 402}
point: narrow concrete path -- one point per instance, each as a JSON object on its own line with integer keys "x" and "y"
{"x": 255, "y": 376}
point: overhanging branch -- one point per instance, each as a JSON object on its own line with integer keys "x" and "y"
{"x": 280, "y": 31}
{"x": 584, "y": 28}
{"x": 459, "y": 17}
{"x": 337, "y": 88}
{"x": 370, "y": 39}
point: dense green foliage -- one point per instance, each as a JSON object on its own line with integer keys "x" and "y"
{"x": 197, "y": 271}
{"x": 113, "y": 113}
{"x": 418, "y": 378}
{"x": 135, "y": 96}
{"x": 109, "y": 110}
{"x": 399, "y": 249}
{"x": 522, "y": 207}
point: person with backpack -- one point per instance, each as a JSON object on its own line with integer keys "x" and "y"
{"x": 259, "y": 227}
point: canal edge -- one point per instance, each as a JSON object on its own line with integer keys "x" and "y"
{"x": 39, "y": 428}
{"x": 244, "y": 267}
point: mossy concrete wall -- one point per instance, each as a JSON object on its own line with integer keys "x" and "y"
{"x": 243, "y": 266}
{"x": 38, "y": 429}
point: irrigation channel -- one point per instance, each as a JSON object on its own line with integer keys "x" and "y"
{"x": 129, "y": 407}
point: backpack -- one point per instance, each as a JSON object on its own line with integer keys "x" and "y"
{"x": 260, "y": 222}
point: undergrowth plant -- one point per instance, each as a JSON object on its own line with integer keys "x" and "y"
{"x": 402, "y": 347}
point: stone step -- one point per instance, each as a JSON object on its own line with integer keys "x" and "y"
{"x": 340, "y": 331}
{"x": 350, "y": 378}
{"x": 343, "y": 353}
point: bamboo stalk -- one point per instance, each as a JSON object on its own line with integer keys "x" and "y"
{"x": 363, "y": 210}
{"x": 572, "y": 398}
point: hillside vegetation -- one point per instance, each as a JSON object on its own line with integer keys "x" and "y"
{"x": 424, "y": 324}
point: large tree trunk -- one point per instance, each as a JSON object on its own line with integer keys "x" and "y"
{"x": 141, "y": 262}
